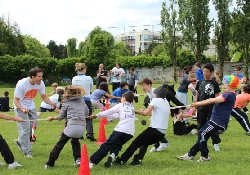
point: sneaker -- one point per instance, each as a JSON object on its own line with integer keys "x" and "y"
{"x": 203, "y": 159}
{"x": 28, "y": 155}
{"x": 136, "y": 161}
{"x": 186, "y": 157}
{"x": 153, "y": 150}
{"x": 109, "y": 162}
{"x": 194, "y": 131}
{"x": 2, "y": 164}
{"x": 18, "y": 144}
{"x": 118, "y": 161}
{"x": 162, "y": 147}
{"x": 46, "y": 166}
{"x": 77, "y": 162}
{"x": 248, "y": 133}
{"x": 14, "y": 165}
{"x": 216, "y": 147}
{"x": 91, "y": 165}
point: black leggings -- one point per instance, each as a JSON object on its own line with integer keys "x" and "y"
{"x": 5, "y": 151}
{"x": 242, "y": 118}
{"x": 142, "y": 141}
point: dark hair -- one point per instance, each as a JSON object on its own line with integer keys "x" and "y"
{"x": 209, "y": 66}
{"x": 238, "y": 68}
{"x": 119, "y": 64}
{"x": 6, "y": 93}
{"x": 104, "y": 86}
{"x": 133, "y": 69}
{"x": 187, "y": 69}
{"x": 33, "y": 72}
{"x": 146, "y": 81}
{"x": 129, "y": 96}
{"x": 123, "y": 84}
{"x": 162, "y": 91}
{"x": 198, "y": 64}
{"x": 246, "y": 89}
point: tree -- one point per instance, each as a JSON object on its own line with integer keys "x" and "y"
{"x": 222, "y": 30}
{"x": 168, "y": 23}
{"x": 71, "y": 47}
{"x": 195, "y": 24}
{"x": 11, "y": 40}
{"x": 151, "y": 47}
{"x": 158, "y": 50}
{"x": 99, "y": 45}
{"x": 120, "y": 49}
{"x": 241, "y": 30}
{"x": 35, "y": 48}
{"x": 81, "y": 48}
{"x": 57, "y": 51}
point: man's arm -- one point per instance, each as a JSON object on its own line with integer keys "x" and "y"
{"x": 7, "y": 117}
{"x": 46, "y": 99}
{"x": 18, "y": 105}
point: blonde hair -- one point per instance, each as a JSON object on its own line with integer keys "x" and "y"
{"x": 54, "y": 85}
{"x": 80, "y": 67}
{"x": 218, "y": 73}
{"x": 191, "y": 76}
{"x": 73, "y": 91}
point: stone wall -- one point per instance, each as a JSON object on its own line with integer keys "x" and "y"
{"x": 160, "y": 74}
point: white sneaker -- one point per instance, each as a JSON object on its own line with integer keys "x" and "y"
{"x": 14, "y": 165}
{"x": 216, "y": 147}
{"x": 186, "y": 157}
{"x": 91, "y": 165}
{"x": 29, "y": 156}
{"x": 2, "y": 164}
{"x": 194, "y": 131}
{"x": 203, "y": 159}
{"x": 153, "y": 150}
{"x": 248, "y": 133}
{"x": 162, "y": 147}
{"x": 78, "y": 162}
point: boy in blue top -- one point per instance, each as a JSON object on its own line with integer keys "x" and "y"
{"x": 198, "y": 71}
{"x": 119, "y": 92}
{"x": 218, "y": 121}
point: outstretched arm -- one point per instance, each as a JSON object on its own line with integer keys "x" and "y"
{"x": 219, "y": 99}
{"x": 146, "y": 111}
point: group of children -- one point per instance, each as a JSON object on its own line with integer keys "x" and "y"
{"x": 76, "y": 105}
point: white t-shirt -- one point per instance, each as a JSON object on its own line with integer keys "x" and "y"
{"x": 54, "y": 98}
{"x": 86, "y": 82}
{"x": 125, "y": 112}
{"x": 151, "y": 94}
{"x": 117, "y": 74}
{"x": 160, "y": 113}
{"x": 27, "y": 92}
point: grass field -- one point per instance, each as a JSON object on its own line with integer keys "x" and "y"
{"x": 234, "y": 157}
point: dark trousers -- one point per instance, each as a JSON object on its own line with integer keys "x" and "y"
{"x": 115, "y": 85}
{"x": 202, "y": 117}
{"x": 207, "y": 131}
{"x": 142, "y": 141}
{"x": 5, "y": 151}
{"x": 131, "y": 88}
{"x": 89, "y": 123}
{"x": 242, "y": 118}
{"x": 112, "y": 145}
{"x": 54, "y": 154}
{"x": 180, "y": 128}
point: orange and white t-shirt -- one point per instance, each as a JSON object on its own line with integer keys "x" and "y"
{"x": 242, "y": 100}
{"x": 27, "y": 92}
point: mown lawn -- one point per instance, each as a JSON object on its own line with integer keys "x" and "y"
{"x": 234, "y": 157}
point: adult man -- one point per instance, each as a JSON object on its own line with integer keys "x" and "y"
{"x": 25, "y": 92}
{"x": 117, "y": 74}
{"x": 101, "y": 75}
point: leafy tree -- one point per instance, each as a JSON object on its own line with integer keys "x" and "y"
{"x": 81, "y": 48}
{"x": 57, "y": 51}
{"x": 71, "y": 47}
{"x": 158, "y": 50}
{"x": 241, "y": 30}
{"x": 151, "y": 47}
{"x": 120, "y": 49}
{"x": 195, "y": 24}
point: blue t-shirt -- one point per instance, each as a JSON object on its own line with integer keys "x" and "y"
{"x": 240, "y": 76}
{"x": 118, "y": 93}
{"x": 97, "y": 94}
{"x": 199, "y": 74}
{"x": 222, "y": 111}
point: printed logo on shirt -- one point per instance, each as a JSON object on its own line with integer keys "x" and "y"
{"x": 209, "y": 89}
{"x": 31, "y": 94}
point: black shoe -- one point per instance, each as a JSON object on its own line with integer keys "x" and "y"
{"x": 136, "y": 161}
{"x": 47, "y": 166}
{"x": 118, "y": 161}
{"x": 109, "y": 162}
{"x": 91, "y": 138}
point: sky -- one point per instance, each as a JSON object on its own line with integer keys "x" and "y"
{"x": 59, "y": 20}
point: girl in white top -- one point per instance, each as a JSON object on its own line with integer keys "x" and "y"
{"x": 160, "y": 109}
{"x": 122, "y": 133}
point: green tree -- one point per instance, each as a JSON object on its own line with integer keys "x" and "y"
{"x": 120, "y": 49}
{"x": 35, "y": 48}
{"x": 71, "y": 47}
{"x": 241, "y": 30}
{"x": 158, "y": 50}
{"x": 99, "y": 45}
{"x": 169, "y": 26}
{"x": 195, "y": 24}
{"x": 222, "y": 30}
{"x": 151, "y": 47}
{"x": 81, "y": 48}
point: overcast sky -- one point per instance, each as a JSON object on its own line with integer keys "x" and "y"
{"x": 62, "y": 19}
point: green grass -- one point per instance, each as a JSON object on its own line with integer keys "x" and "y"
{"x": 234, "y": 157}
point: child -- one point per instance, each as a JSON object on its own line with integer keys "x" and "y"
{"x": 5, "y": 102}
{"x": 160, "y": 109}
{"x": 74, "y": 111}
{"x": 56, "y": 98}
{"x": 198, "y": 71}
{"x": 122, "y": 133}
{"x": 218, "y": 76}
{"x": 54, "y": 86}
{"x": 241, "y": 102}
{"x": 206, "y": 89}
{"x": 192, "y": 87}
{"x": 132, "y": 80}
{"x": 119, "y": 92}
{"x": 218, "y": 121}
{"x": 147, "y": 87}
{"x": 4, "y": 147}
